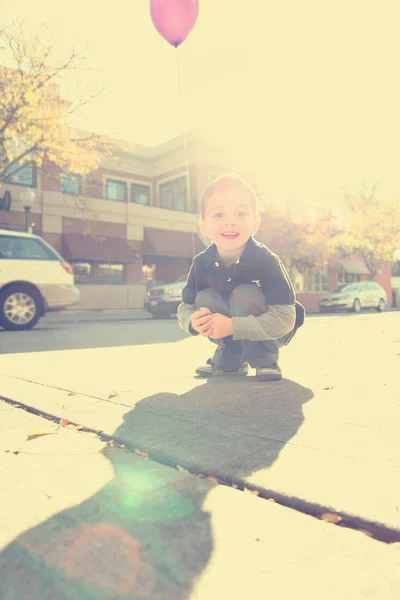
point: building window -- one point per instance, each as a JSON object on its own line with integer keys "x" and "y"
{"x": 140, "y": 194}
{"x": 83, "y": 272}
{"x": 110, "y": 274}
{"x": 101, "y": 274}
{"x": 18, "y": 175}
{"x": 310, "y": 279}
{"x": 173, "y": 194}
{"x": 345, "y": 277}
{"x": 116, "y": 190}
{"x": 71, "y": 184}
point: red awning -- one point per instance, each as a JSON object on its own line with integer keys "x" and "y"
{"x": 164, "y": 242}
{"x": 77, "y": 246}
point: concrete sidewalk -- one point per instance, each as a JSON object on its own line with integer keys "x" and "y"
{"x": 327, "y": 437}
{"x": 87, "y": 520}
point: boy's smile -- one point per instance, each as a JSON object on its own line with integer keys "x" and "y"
{"x": 229, "y": 221}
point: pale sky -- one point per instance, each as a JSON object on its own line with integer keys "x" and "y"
{"x": 306, "y": 92}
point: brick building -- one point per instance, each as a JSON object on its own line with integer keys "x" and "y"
{"x": 141, "y": 209}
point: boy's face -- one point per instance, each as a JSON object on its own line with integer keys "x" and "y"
{"x": 229, "y": 219}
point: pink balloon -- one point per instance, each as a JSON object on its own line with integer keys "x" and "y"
{"x": 174, "y": 19}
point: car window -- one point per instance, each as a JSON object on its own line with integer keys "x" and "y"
{"x": 352, "y": 287}
{"x": 19, "y": 248}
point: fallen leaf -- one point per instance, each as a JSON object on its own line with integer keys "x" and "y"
{"x": 366, "y": 532}
{"x": 213, "y": 479}
{"x": 271, "y": 499}
{"x": 64, "y": 422}
{"x": 111, "y": 443}
{"x": 182, "y": 469}
{"x": 36, "y": 434}
{"x": 113, "y": 394}
{"x": 140, "y": 453}
{"x": 79, "y": 427}
{"x": 331, "y": 518}
{"x": 201, "y": 476}
{"x": 328, "y": 388}
{"x": 255, "y": 492}
{"x": 72, "y": 393}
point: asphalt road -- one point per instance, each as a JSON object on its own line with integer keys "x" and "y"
{"x": 49, "y": 336}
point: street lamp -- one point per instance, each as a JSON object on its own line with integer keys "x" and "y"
{"x": 27, "y": 200}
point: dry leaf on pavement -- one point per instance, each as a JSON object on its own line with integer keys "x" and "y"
{"x": 64, "y": 422}
{"x": 182, "y": 469}
{"x": 72, "y": 393}
{"x": 37, "y": 433}
{"x": 213, "y": 479}
{"x": 113, "y": 394}
{"x": 328, "y": 388}
{"x": 140, "y": 453}
{"x": 331, "y": 518}
{"x": 79, "y": 427}
{"x": 255, "y": 492}
{"x": 366, "y": 532}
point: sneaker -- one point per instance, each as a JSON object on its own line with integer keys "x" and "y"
{"x": 270, "y": 373}
{"x": 207, "y": 370}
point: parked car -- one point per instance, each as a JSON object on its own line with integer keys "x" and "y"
{"x": 354, "y": 297}
{"x": 34, "y": 279}
{"x": 163, "y": 301}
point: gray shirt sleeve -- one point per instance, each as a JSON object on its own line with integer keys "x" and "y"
{"x": 278, "y": 321}
{"x": 185, "y": 312}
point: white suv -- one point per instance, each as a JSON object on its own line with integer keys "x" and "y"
{"x": 34, "y": 279}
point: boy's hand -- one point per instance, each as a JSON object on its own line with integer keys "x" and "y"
{"x": 201, "y": 321}
{"x": 221, "y": 326}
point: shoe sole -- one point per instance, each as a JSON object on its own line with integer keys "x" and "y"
{"x": 269, "y": 377}
{"x": 220, "y": 373}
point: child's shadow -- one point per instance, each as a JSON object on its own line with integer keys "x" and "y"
{"x": 144, "y": 534}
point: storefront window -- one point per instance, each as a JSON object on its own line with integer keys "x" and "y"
{"x": 110, "y": 274}
{"x": 82, "y": 272}
{"x": 311, "y": 280}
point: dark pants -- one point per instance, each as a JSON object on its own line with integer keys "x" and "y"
{"x": 244, "y": 301}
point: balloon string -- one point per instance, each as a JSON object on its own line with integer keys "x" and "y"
{"x": 186, "y": 156}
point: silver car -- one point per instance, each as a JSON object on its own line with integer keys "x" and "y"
{"x": 354, "y": 297}
{"x": 163, "y": 300}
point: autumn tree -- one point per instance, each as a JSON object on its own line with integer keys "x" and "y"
{"x": 34, "y": 119}
{"x": 303, "y": 237}
{"x": 372, "y": 229}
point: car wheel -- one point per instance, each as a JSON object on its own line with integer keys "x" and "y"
{"x": 356, "y": 306}
{"x": 381, "y": 305}
{"x": 20, "y": 308}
